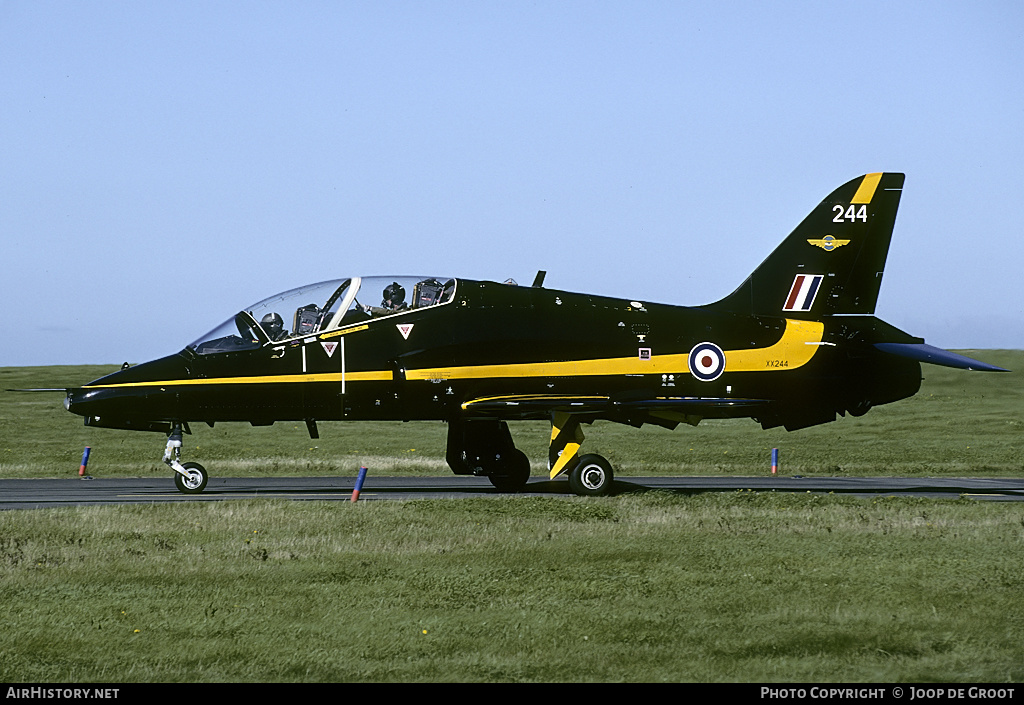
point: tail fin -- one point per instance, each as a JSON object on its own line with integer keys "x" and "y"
{"x": 832, "y": 263}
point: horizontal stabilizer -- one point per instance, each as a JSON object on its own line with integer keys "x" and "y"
{"x": 923, "y": 352}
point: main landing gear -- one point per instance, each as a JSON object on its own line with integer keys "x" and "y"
{"x": 189, "y": 478}
{"x": 591, "y": 477}
{"x": 485, "y": 447}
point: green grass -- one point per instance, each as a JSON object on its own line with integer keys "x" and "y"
{"x": 654, "y": 587}
{"x": 639, "y": 587}
{"x": 960, "y": 423}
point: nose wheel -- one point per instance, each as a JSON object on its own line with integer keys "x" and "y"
{"x": 189, "y": 478}
{"x": 192, "y": 480}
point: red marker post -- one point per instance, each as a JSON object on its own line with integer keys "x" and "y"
{"x": 359, "y": 484}
{"x": 85, "y": 461}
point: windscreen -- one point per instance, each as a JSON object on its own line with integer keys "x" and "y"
{"x": 314, "y": 308}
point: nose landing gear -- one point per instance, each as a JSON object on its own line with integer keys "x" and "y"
{"x": 189, "y": 478}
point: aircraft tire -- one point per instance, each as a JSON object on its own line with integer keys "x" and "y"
{"x": 860, "y": 408}
{"x": 591, "y": 477}
{"x": 513, "y": 474}
{"x": 196, "y": 480}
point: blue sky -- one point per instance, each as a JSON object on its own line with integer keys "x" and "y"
{"x": 166, "y": 163}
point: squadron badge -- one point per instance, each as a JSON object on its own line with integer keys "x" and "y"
{"x": 828, "y": 243}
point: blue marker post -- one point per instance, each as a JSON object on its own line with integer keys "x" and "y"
{"x": 85, "y": 461}
{"x": 775, "y": 461}
{"x": 359, "y": 484}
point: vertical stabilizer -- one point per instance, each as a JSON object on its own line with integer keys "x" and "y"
{"x": 832, "y": 263}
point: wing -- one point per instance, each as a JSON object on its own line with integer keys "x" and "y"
{"x": 664, "y": 411}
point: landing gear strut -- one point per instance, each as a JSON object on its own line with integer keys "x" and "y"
{"x": 189, "y": 478}
{"x": 486, "y": 448}
{"x": 590, "y": 475}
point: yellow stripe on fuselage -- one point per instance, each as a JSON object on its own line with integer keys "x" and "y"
{"x": 256, "y": 379}
{"x": 796, "y": 348}
{"x": 799, "y": 343}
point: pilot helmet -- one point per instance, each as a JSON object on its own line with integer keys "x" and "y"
{"x": 273, "y": 324}
{"x": 394, "y": 295}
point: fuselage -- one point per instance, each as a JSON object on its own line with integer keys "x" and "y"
{"x": 487, "y": 340}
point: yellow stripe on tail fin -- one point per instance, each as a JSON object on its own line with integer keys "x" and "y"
{"x": 867, "y": 188}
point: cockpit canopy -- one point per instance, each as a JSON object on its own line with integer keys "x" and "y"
{"x": 315, "y": 308}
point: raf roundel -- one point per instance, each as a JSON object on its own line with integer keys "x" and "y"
{"x": 707, "y": 361}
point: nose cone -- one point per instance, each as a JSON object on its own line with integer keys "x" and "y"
{"x": 105, "y": 401}
{"x": 166, "y": 369}
{"x": 75, "y": 401}
{"x": 141, "y": 397}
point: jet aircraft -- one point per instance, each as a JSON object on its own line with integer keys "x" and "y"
{"x": 795, "y": 345}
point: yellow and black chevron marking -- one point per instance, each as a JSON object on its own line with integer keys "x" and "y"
{"x": 566, "y": 440}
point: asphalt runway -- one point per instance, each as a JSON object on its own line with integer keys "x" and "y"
{"x": 37, "y": 494}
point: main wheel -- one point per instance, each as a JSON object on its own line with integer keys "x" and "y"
{"x": 194, "y": 481}
{"x": 592, "y": 476}
{"x": 513, "y": 474}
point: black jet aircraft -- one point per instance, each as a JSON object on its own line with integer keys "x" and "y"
{"x": 795, "y": 345}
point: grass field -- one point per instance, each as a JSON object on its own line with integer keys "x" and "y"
{"x": 658, "y": 587}
{"x": 740, "y": 587}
